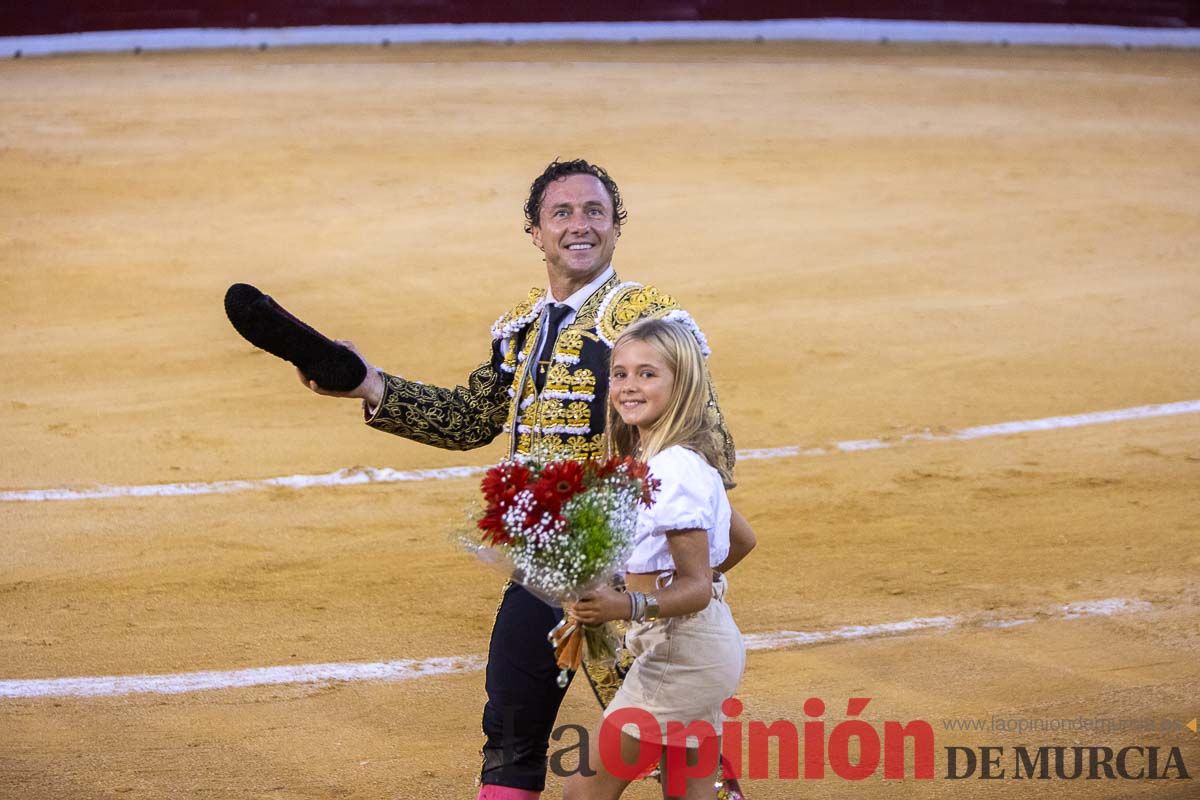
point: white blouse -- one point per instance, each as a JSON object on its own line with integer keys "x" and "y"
{"x": 691, "y": 496}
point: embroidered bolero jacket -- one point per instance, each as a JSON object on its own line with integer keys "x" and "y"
{"x": 567, "y": 419}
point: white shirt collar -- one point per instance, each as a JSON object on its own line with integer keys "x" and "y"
{"x": 577, "y": 300}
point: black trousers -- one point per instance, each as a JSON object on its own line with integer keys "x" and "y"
{"x": 523, "y": 692}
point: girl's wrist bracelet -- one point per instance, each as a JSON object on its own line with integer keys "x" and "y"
{"x": 643, "y": 607}
{"x": 638, "y": 610}
{"x": 652, "y": 610}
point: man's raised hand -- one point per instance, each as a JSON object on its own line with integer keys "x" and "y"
{"x": 371, "y": 388}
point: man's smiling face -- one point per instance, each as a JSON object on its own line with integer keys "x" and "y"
{"x": 575, "y": 228}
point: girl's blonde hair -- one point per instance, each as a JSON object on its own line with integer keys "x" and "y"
{"x": 685, "y": 421}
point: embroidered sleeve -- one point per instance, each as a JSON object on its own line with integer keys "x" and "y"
{"x": 461, "y": 418}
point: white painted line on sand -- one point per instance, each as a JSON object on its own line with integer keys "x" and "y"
{"x": 361, "y": 475}
{"x": 412, "y": 669}
{"x": 114, "y": 685}
{"x": 1079, "y": 610}
{"x": 343, "y": 477}
{"x": 780, "y": 639}
{"x": 1103, "y": 608}
{"x": 986, "y": 431}
{"x": 828, "y": 29}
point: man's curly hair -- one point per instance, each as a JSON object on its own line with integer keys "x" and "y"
{"x": 561, "y": 169}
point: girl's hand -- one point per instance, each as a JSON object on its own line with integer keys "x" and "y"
{"x": 602, "y": 605}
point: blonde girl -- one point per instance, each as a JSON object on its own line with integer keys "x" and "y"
{"x": 689, "y": 652}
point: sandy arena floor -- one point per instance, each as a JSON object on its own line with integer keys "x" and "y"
{"x": 878, "y": 240}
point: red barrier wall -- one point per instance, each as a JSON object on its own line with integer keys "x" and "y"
{"x": 25, "y": 17}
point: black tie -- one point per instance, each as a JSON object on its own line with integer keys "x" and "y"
{"x": 558, "y": 312}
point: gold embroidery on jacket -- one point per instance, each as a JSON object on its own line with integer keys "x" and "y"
{"x": 558, "y": 379}
{"x": 519, "y": 315}
{"x": 471, "y": 416}
{"x": 583, "y": 381}
{"x": 578, "y": 415}
{"x": 550, "y": 414}
{"x": 528, "y": 394}
{"x": 585, "y": 320}
{"x": 568, "y": 346}
{"x": 461, "y": 418}
{"x": 628, "y": 303}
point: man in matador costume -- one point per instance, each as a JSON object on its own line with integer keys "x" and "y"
{"x": 545, "y": 386}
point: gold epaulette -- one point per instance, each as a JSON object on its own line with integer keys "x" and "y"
{"x": 519, "y": 315}
{"x": 627, "y": 303}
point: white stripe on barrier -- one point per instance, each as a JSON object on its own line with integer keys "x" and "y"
{"x": 840, "y": 30}
{"x": 411, "y": 669}
{"x": 362, "y": 475}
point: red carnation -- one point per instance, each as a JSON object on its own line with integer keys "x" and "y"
{"x": 636, "y": 469}
{"x": 607, "y": 467}
{"x": 492, "y": 525}
{"x": 502, "y": 483}
{"x": 559, "y": 482}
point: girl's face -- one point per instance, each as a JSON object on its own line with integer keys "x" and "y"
{"x": 639, "y": 384}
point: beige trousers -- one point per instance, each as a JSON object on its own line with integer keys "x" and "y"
{"x": 684, "y": 667}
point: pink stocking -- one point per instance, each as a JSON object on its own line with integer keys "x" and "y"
{"x": 490, "y": 792}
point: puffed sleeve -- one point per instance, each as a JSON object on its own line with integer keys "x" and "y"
{"x": 683, "y": 501}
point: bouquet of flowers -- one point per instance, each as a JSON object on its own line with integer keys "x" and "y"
{"x": 561, "y": 529}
